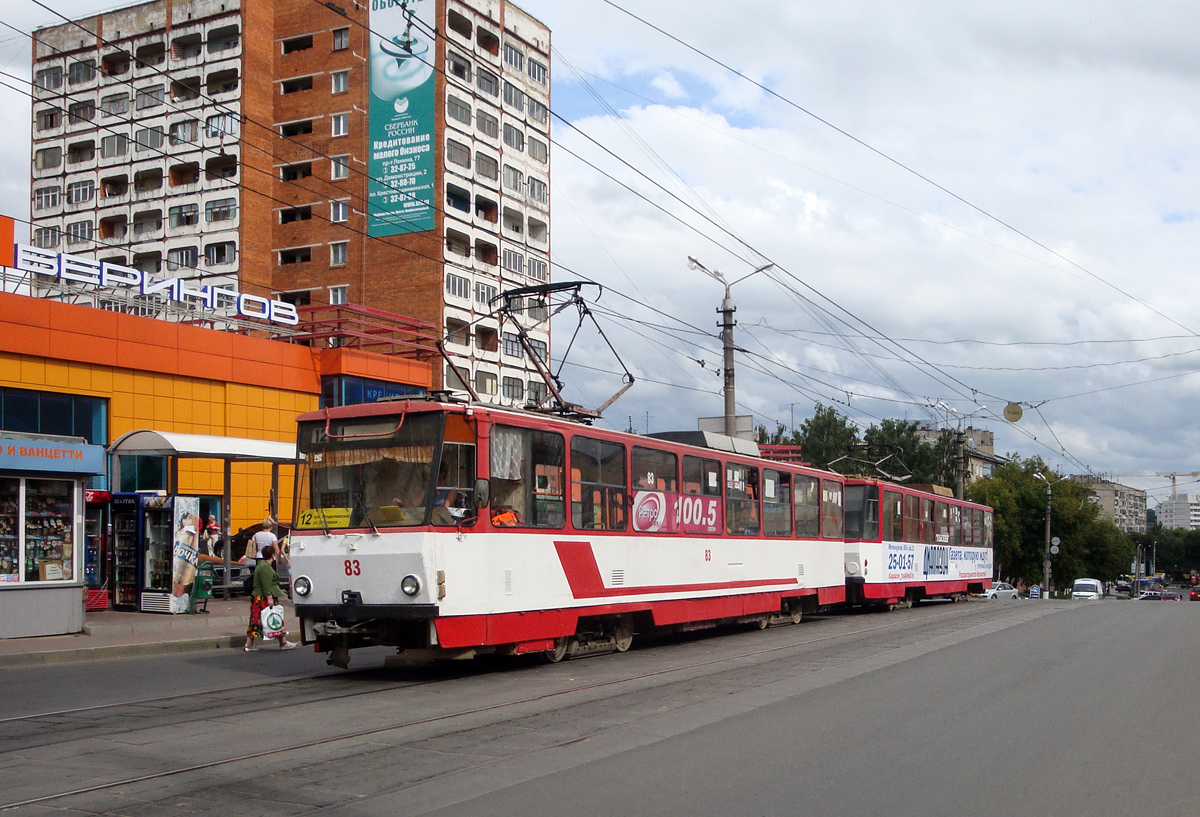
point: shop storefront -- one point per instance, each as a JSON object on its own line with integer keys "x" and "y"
{"x": 42, "y": 542}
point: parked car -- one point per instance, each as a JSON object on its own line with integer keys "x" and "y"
{"x": 1001, "y": 590}
{"x": 1170, "y": 595}
{"x": 1150, "y": 595}
{"x": 1195, "y": 594}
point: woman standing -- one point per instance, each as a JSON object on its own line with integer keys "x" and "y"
{"x": 266, "y": 589}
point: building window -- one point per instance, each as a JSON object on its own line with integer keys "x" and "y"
{"x": 514, "y": 56}
{"x": 184, "y": 132}
{"x": 457, "y": 199}
{"x": 223, "y": 124}
{"x": 514, "y": 96}
{"x": 537, "y": 71}
{"x": 458, "y": 66}
{"x": 538, "y": 150}
{"x": 457, "y": 109}
{"x": 50, "y": 413}
{"x": 339, "y": 253}
{"x": 294, "y": 44}
{"x": 81, "y": 152}
{"x": 487, "y": 124}
{"x": 81, "y": 112}
{"x": 512, "y": 345}
{"x": 223, "y": 39}
{"x": 182, "y": 258}
{"x": 45, "y": 197}
{"x": 220, "y": 210}
{"x": 184, "y": 90}
{"x": 514, "y": 389}
{"x": 339, "y": 211}
{"x": 114, "y": 145}
{"x": 537, "y": 269}
{"x": 82, "y": 71}
{"x": 292, "y": 86}
{"x": 47, "y": 158}
{"x": 485, "y": 293}
{"x": 514, "y": 261}
{"x": 150, "y": 97}
{"x": 290, "y": 215}
{"x": 487, "y": 82}
{"x": 298, "y": 255}
{"x": 223, "y": 252}
{"x": 339, "y": 167}
{"x": 458, "y": 154}
{"x": 485, "y": 383}
{"x": 513, "y": 137}
{"x": 183, "y": 215}
{"x": 291, "y": 173}
{"x": 487, "y": 167}
{"x": 49, "y": 78}
{"x": 115, "y": 105}
{"x": 148, "y": 138}
{"x": 301, "y": 128}
{"x": 458, "y": 286}
{"x": 341, "y": 39}
{"x": 341, "y": 81}
{"x": 337, "y": 295}
{"x": 514, "y": 180}
{"x": 538, "y": 190}
{"x": 79, "y": 231}
{"x": 537, "y": 111}
{"x": 340, "y": 124}
{"x": 79, "y": 192}
{"x": 47, "y": 118}
{"x": 45, "y": 238}
{"x": 540, "y": 349}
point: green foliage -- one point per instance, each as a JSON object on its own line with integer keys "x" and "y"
{"x": 828, "y": 437}
{"x": 1090, "y": 545}
{"x": 895, "y": 448}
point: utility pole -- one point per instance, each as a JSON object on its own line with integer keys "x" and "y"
{"x": 1046, "y": 554}
{"x": 727, "y": 323}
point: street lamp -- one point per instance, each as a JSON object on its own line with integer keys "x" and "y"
{"x": 727, "y": 309}
{"x": 1046, "y": 555}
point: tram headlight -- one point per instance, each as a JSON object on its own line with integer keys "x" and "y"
{"x": 411, "y": 585}
{"x": 302, "y": 586}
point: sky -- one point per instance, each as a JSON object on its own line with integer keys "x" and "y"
{"x": 966, "y": 205}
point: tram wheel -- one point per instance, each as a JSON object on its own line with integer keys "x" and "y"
{"x": 796, "y": 615}
{"x": 623, "y": 635}
{"x": 559, "y": 652}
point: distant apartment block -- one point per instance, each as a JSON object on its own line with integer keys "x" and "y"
{"x": 1125, "y": 506}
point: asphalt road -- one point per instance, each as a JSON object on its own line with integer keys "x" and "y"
{"x": 1002, "y": 707}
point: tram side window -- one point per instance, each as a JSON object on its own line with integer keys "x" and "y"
{"x": 700, "y": 505}
{"x": 597, "y": 484}
{"x": 926, "y": 520}
{"x": 777, "y": 503}
{"x": 454, "y": 499}
{"x": 526, "y": 478}
{"x": 912, "y": 518}
{"x": 655, "y": 474}
{"x": 955, "y": 525}
{"x": 968, "y": 534}
{"x": 862, "y": 512}
{"x": 977, "y": 524}
{"x": 832, "y": 514}
{"x": 807, "y": 499}
{"x": 941, "y": 523}
{"x": 893, "y": 516}
{"x": 987, "y": 529}
{"x": 741, "y": 499}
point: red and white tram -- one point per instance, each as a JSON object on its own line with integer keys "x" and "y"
{"x": 904, "y": 544}
{"x": 448, "y": 529}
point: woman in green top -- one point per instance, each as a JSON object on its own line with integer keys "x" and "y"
{"x": 266, "y": 593}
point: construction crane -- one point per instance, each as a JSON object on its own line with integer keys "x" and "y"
{"x": 1173, "y": 476}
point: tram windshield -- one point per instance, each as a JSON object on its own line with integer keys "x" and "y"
{"x": 862, "y": 512}
{"x": 394, "y": 471}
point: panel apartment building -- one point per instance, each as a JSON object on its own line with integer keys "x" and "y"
{"x": 394, "y": 155}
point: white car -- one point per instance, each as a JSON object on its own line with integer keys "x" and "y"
{"x": 1001, "y": 590}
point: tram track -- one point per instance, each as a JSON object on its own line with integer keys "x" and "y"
{"x": 699, "y": 673}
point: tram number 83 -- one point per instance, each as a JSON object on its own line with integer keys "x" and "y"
{"x": 353, "y": 568}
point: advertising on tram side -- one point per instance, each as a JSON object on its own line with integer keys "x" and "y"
{"x": 908, "y": 561}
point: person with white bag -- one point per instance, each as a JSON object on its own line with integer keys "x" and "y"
{"x": 264, "y": 605}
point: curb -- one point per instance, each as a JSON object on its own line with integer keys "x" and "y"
{"x": 35, "y": 659}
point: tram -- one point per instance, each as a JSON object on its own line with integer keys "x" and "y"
{"x": 908, "y": 543}
{"x": 449, "y": 529}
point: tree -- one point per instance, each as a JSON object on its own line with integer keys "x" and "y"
{"x": 828, "y": 437}
{"x": 898, "y": 450}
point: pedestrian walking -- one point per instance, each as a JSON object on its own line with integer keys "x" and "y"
{"x": 266, "y": 593}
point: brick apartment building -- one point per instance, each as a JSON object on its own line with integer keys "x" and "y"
{"x": 313, "y": 153}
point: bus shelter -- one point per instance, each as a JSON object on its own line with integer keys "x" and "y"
{"x": 175, "y": 446}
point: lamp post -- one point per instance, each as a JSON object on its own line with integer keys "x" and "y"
{"x": 1046, "y": 555}
{"x": 727, "y": 323}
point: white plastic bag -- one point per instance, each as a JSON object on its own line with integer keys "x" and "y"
{"x": 272, "y": 622}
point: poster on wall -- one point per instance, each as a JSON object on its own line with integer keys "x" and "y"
{"x": 401, "y": 119}
{"x": 184, "y": 559}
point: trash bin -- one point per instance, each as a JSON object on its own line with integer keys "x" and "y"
{"x": 202, "y": 587}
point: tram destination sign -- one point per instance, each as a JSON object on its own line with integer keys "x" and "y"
{"x": 106, "y": 275}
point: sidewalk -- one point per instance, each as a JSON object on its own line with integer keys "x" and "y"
{"x": 111, "y": 634}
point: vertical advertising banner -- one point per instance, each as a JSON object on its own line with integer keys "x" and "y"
{"x": 401, "y": 120}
